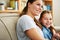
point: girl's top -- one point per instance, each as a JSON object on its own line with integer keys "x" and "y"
{"x": 47, "y": 33}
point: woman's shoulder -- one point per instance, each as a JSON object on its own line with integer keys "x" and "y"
{"x": 25, "y": 17}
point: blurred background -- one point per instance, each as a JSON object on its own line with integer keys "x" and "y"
{"x": 16, "y": 6}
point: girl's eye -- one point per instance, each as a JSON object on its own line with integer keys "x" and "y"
{"x": 45, "y": 18}
{"x": 50, "y": 18}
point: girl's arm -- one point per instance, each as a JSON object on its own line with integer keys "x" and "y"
{"x": 56, "y": 35}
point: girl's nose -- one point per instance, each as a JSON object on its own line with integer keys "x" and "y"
{"x": 48, "y": 21}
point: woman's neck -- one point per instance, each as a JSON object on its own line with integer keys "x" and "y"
{"x": 30, "y": 14}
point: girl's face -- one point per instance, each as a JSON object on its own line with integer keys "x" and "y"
{"x": 35, "y": 8}
{"x": 46, "y": 20}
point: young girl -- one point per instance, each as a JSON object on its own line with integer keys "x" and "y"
{"x": 47, "y": 28}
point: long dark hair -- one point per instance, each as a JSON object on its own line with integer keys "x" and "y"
{"x": 26, "y": 7}
{"x": 48, "y": 12}
{"x": 25, "y": 11}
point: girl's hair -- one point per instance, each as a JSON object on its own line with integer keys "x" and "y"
{"x": 44, "y": 12}
{"x": 41, "y": 15}
{"x": 26, "y": 7}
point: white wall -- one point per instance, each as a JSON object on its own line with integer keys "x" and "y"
{"x": 4, "y": 1}
{"x": 56, "y": 12}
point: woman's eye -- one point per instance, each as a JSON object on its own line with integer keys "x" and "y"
{"x": 38, "y": 4}
{"x": 41, "y": 6}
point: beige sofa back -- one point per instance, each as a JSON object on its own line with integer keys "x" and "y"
{"x": 8, "y": 26}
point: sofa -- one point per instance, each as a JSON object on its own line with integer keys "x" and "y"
{"x": 8, "y": 26}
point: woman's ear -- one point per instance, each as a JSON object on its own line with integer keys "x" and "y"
{"x": 29, "y": 4}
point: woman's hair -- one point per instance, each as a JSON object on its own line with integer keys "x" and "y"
{"x": 38, "y": 23}
{"x": 47, "y": 12}
{"x": 25, "y": 10}
{"x": 26, "y": 7}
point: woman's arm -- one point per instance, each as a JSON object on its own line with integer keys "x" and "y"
{"x": 33, "y": 34}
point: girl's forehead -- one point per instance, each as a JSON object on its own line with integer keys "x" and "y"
{"x": 47, "y": 15}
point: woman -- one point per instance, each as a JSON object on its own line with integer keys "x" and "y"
{"x": 27, "y": 29}
{"x": 47, "y": 28}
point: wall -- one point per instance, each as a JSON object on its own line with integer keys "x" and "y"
{"x": 56, "y": 12}
{"x": 4, "y": 1}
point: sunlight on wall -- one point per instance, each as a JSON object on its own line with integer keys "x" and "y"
{"x": 56, "y": 12}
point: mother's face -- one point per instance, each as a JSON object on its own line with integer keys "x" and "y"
{"x": 35, "y": 8}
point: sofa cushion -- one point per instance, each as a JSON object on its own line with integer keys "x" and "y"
{"x": 7, "y": 26}
{"x": 3, "y": 32}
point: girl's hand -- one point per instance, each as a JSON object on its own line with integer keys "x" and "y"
{"x": 53, "y": 38}
{"x": 57, "y": 35}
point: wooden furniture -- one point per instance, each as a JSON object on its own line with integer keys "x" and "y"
{"x": 48, "y": 2}
{"x": 19, "y": 5}
{"x": 22, "y": 4}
